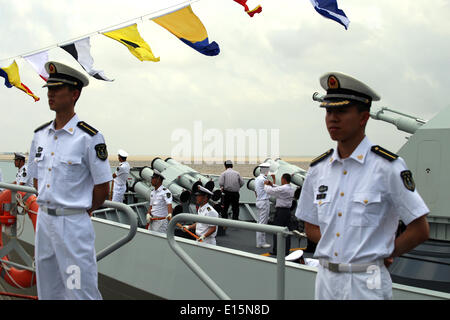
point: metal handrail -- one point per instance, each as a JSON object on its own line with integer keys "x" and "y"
{"x": 281, "y": 233}
{"x": 133, "y": 219}
{"x": 17, "y": 187}
{"x": 13, "y": 243}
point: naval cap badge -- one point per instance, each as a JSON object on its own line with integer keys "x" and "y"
{"x": 333, "y": 82}
{"x": 51, "y": 68}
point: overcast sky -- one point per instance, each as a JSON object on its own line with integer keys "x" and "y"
{"x": 263, "y": 78}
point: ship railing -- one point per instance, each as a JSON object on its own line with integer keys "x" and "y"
{"x": 133, "y": 221}
{"x": 14, "y": 245}
{"x": 281, "y": 232}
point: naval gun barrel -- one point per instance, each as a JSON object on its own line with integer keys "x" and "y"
{"x": 176, "y": 173}
{"x": 184, "y": 176}
{"x": 206, "y": 182}
{"x": 177, "y": 191}
{"x": 403, "y": 122}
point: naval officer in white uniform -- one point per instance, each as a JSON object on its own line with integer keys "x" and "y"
{"x": 120, "y": 176}
{"x": 262, "y": 203}
{"x": 22, "y": 176}
{"x": 206, "y": 232}
{"x": 69, "y": 163}
{"x": 160, "y": 204}
{"x": 353, "y": 198}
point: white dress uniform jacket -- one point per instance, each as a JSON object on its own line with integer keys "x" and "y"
{"x": 357, "y": 202}
{"x": 201, "y": 228}
{"x": 120, "y": 181}
{"x": 159, "y": 200}
{"x": 67, "y": 163}
{"x": 22, "y": 176}
{"x": 263, "y": 205}
{"x": 284, "y": 194}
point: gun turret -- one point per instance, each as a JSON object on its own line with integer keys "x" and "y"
{"x": 403, "y": 122}
{"x": 184, "y": 176}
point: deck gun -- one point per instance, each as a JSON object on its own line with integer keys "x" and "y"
{"x": 403, "y": 122}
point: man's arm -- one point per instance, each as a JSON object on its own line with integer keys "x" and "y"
{"x": 241, "y": 181}
{"x": 416, "y": 232}
{"x": 221, "y": 181}
{"x": 210, "y": 231}
{"x": 312, "y": 232}
{"x": 99, "y": 195}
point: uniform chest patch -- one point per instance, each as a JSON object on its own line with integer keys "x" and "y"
{"x": 408, "y": 180}
{"x": 209, "y": 209}
{"x": 168, "y": 195}
{"x": 102, "y": 152}
{"x": 321, "y": 196}
{"x": 323, "y": 188}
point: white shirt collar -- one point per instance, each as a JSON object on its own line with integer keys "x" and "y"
{"x": 359, "y": 154}
{"x": 70, "y": 126}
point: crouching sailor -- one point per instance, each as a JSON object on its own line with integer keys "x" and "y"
{"x": 69, "y": 164}
{"x": 206, "y": 232}
{"x": 160, "y": 209}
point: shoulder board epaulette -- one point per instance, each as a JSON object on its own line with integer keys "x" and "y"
{"x": 43, "y": 126}
{"x": 87, "y": 128}
{"x": 320, "y": 158}
{"x": 384, "y": 153}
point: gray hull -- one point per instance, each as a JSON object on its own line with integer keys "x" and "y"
{"x": 146, "y": 268}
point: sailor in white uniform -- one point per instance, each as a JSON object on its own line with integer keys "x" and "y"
{"x": 160, "y": 204}
{"x": 353, "y": 198}
{"x": 120, "y": 176}
{"x": 69, "y": 163}
{"x": 262, "y": 203}
{"x": 284, "y": 195}
{"x": 206, "y": 232}
{"x": 22, "y": 176}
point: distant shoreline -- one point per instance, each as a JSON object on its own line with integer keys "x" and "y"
{"x": 214, "y": 167}
{"x": 205, "y": 161}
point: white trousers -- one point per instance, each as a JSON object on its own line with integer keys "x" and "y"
{"x": 375, "y": 284}
{"x": 210, "y": 240}
{"x": 159, "y": 225}
{"x": 66, "y": 265}
{"x": 118, "y": 193}
{"x": 263, "y": 207}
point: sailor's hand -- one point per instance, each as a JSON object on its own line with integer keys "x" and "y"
{"x": 388, "y": 261}
{"x": 185, "y": 227}
{"x": 169, "y": 216}
{"x": 200, "y": 238}
{"x": 148, "y": 217}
